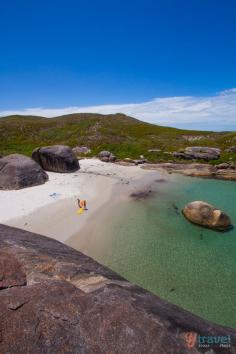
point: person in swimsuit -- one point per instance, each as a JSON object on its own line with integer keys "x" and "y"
{"x": 82, "y": 204}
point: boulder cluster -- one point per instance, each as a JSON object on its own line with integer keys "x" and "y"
{"x": 19, "y": 171}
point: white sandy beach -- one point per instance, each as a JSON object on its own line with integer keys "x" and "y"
{"x": 51, "y": 209}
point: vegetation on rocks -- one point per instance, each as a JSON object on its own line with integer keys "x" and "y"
{"x": 123, "y": 136}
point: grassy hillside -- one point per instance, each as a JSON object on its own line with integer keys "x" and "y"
{"x": 122, "y": 135}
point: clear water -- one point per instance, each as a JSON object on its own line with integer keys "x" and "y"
{"x": 151, "y": 244}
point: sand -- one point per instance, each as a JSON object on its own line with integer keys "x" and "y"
{"x": 51, "y": 209}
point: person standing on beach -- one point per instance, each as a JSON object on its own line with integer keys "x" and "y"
{"x": 82, "y": 204}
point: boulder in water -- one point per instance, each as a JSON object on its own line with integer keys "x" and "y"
{"x": 19, "y": 171}
{"x": 56, "y": 158}
{"x": 206, "y": 215}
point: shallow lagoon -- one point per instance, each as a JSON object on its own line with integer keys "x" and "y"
{"x": 150, "y": 243}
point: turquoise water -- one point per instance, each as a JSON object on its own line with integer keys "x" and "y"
{"x": 151, "y": 244}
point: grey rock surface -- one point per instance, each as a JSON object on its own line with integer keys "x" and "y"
{"x": 199, "y": 152}
{"x": 207, "y": 215}
{"x": 19, "y": 171}
{"x": 56, "y": 158}
{"x": 106, "y": 156}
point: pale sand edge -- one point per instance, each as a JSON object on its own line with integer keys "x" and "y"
{"x": 33, "y": 209}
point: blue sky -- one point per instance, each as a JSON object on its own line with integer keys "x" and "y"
{"x": 72, "y": 54}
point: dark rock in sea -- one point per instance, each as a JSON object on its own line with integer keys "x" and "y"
{"x": 57, "y": 300}
{"x": 141, "y": 195}
{"x": 199, "y": 152}
{"x": 175, "y": 208}
{"x": 56, "y": 158}
{"x": 106, "y": 156}
{"x": 207, "y": 215}
{"x": 161, "y": 180}
{"x": 19, "y": 171}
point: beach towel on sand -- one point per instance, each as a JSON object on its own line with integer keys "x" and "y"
{"x": 80, "y": 211}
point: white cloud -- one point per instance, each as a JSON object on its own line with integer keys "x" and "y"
{"x": 210, "y": 113}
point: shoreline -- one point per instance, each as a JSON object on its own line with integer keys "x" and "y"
{"x": 50, "y": 209}
{"x": 119, "y": 195}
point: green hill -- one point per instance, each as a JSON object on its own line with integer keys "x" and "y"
{"x": 122, "y": 135}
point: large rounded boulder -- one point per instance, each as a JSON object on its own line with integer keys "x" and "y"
{"x": 19, "y": 171}
{"x": 206, "y": 215}
{"x": 56, "y": 158}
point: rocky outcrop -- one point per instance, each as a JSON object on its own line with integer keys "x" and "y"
{"x": 106, "y": 156}
{"x": 19, "y": 171}
{"x": 54, "y": 299}
{"x": 223, "y": 166}
{"x": 56, "y": 158}
{"x": 199, "y": 152}
{"x": 195, "y": 170}
{"x": 226, "y": 166}
{"x": 206, "y": 215}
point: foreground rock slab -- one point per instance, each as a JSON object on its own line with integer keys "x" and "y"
{"x": 56, "y": 158}
{"x": 57, "y": 300}
{"x": 19, "y": 171}
{"x": 207, "y": 215}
